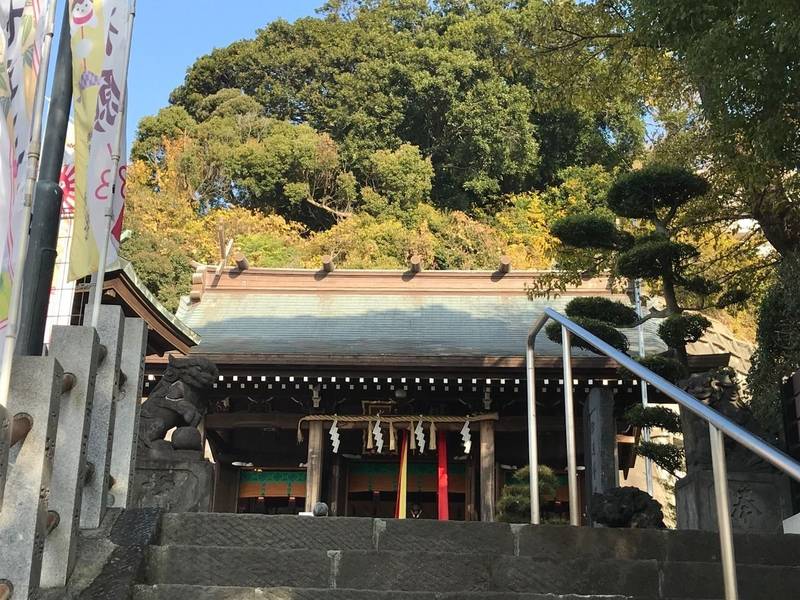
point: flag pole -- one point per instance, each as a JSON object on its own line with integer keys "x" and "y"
{"x": 41, "y": 255}
{"x": 34, "y": 154}
{"x": 115, "y": 162}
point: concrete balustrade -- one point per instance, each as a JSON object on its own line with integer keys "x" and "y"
{"x": 35, "y": 392}
{"x": 78, "y": 351}
{"x": 126, "y": 424}
{"x": 101, "y": 432}
{"x": 68, "y": 433}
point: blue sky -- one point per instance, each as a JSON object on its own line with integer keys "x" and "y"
{"x": 170, "y": 35}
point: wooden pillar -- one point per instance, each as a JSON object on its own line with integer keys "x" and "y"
{"x": 226, "y": 488}
{"x": 314, "y": 464}
{"x": 469, "y": 490}
{"x": 335, "y": 500}
{"x": 488, "y": 472}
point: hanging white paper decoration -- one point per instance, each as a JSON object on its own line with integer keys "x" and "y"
{"x": 419, "y": 432}
{"x": 378, "y": 434}
{"x": 334, "y": 433}
{"x": 466, "y": 437}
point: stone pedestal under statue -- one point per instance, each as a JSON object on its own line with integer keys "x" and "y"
{"x": 179, "y": 484}
{"x": 759, "y": 496}
{"x": 759, "y": 502}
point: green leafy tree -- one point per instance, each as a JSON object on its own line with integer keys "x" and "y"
{"x": 492, "y": 92}
{"x": 402, "y": 176}
{"x": 743, "y": 59}
{"x": 777, "y": 354}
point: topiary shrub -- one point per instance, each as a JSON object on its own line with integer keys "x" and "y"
{"x": 679, "y": 330}
{"x": 603, "y": 309}
{"x": 670, "y": 458}
{"x": 653, "y": 255}
{"x": 608, "y": 333}
{"x": 586, "y": 231}
{"x": 514, "y": 505}
{"x": 669, "y": 368}
{"x": 653, "y": 416}
{"x": 643, "y": 194}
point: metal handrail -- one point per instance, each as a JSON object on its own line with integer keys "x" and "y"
{"x": 719, "y": 426}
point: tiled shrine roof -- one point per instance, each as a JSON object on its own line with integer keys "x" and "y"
{"x": 435, "y": 314}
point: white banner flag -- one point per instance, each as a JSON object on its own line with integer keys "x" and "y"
{"x": 100, "y": 48}
{"x": 22, "y": 27}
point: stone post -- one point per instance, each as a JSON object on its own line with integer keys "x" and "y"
{"x": 488, "y": 471}
{"x": 78, "y": 350}
{"x": 126, "y": 425}
{"x": 5, "y": 443}
{"x": 600, "y": 442}
{"x": 101, "y": 432}
{"x": 36, "y": 384}
{"x": 314, "y": 464}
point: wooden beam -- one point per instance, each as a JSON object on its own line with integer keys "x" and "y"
{"x": 288, "y": 421}
{"x": 488, "y": 472}
{"x": 316, "y": 450}
{"x": 129, "y": 296}
{"x": 226, "y": 253}
{"x": 243, "y": 420}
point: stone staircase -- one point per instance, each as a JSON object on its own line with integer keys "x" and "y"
{"x": 245, "y": 557}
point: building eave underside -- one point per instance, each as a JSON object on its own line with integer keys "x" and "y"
{"x": 321, "y": 364}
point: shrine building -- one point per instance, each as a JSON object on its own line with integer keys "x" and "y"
{"x": 328, "y": 378}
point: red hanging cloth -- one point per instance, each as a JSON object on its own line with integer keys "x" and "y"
{"x": 444, "y": 505}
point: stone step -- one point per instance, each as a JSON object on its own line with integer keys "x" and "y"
{"x": 192, "y": 592}
{"x": 397, "y": 571}
{"x": 276, "y": 532}
{"x": 451, "y": 573}
{"x": 551, "y": 542}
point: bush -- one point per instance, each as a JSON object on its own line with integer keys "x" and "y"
{"x": 603, "y": 309}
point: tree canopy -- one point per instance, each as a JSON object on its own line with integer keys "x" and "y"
{"x": 474, "y": 89}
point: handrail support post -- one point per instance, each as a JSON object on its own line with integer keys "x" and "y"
{"x": 533, "y": 444}
{"x": 569, "y": 414}
{"x": 727, "y": 552}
